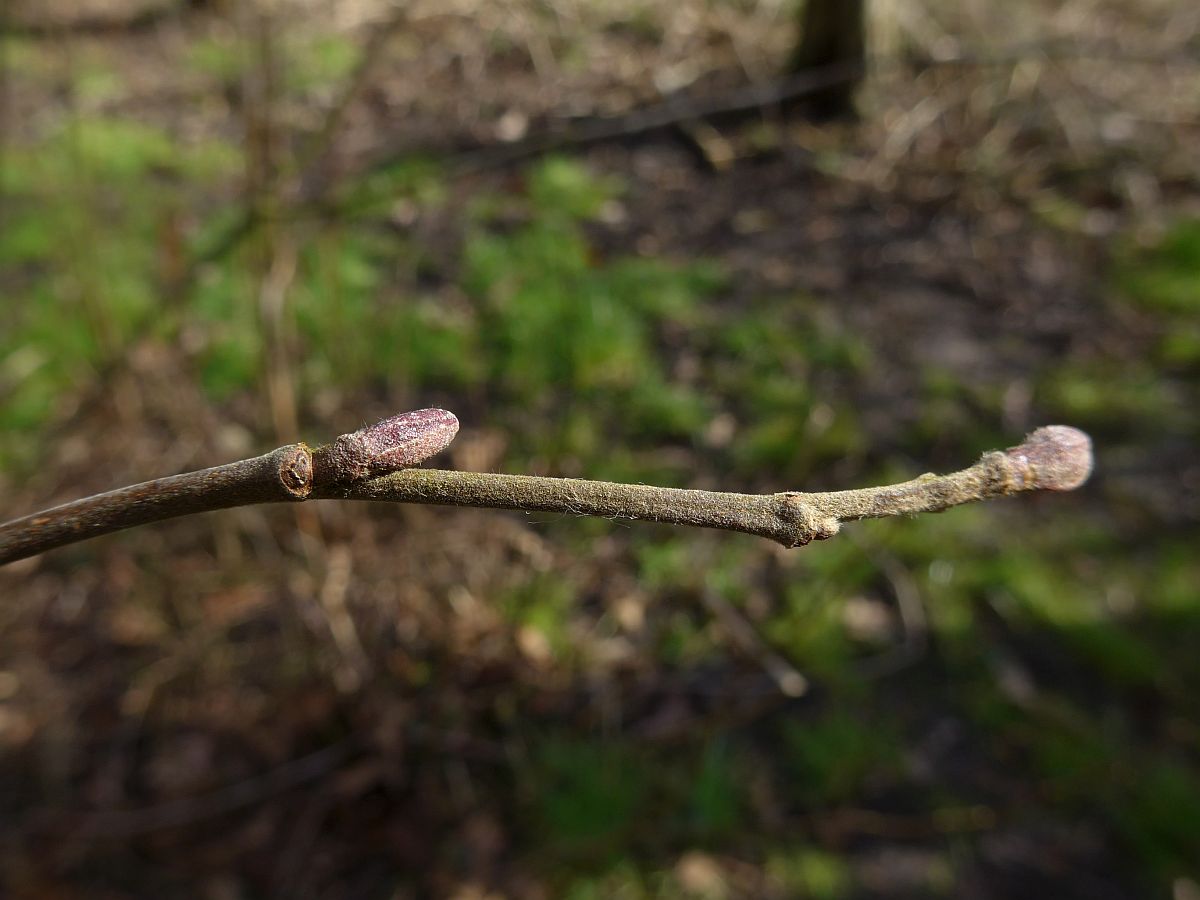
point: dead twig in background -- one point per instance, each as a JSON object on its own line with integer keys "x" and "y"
{"x": 127, "y": 823}
{"x": 371, "y": 464}
{"x": 788, "y": 92}
{"x": 790, "y": 680}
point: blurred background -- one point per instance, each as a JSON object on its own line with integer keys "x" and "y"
{"x": 687, "y": 244}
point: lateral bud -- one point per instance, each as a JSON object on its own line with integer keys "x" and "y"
{"x": 395, "y": 443}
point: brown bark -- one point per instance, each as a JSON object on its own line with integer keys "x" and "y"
{"x": 373, "y": 464}
{"x": 833, "y": 37}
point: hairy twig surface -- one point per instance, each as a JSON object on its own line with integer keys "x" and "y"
{"x": 373, "y": 464}
{"x": 287, "y": 473}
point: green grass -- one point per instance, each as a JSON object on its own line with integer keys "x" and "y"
{"x": 1166, "y": 276}
{"x": 811, "y": 872}
{"x": 588, "y": 797}
{"x": 595, "y": 803}
{"x": 84, "y": 253}
{"x": 834, "y": 759}
{"x": 1164, "y": 280}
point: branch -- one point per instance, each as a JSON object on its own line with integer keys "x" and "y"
{"x": 684, "y": 106}
{"x": 374, "y": 464}
{"x": 287, "y": 473}
{"x": 1056, "y": 458}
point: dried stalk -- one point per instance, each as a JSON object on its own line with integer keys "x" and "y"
{"x": 373, "y": 464}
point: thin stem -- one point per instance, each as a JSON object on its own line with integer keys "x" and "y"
{"x": 283, "y": 474}
{"x": 1052, "y": 458}
{"x": 372, "y": 464}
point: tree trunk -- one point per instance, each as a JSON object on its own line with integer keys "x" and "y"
{"x": 833, "y": 38}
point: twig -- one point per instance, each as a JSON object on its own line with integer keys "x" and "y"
{"x": 790, "y": 680}
{"x": 372, "y": 464}
{"x": 287, "y": 473}
{"x": 313, "y": 180}
{"x": 122, "y": 824}
{"x": 1053, "y": 458}
{"x": 912, "y": 617}
{"x": 684, "y": 106}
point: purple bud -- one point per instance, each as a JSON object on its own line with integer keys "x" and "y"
{"x": 1053, "y": 458}
{"x": 404, "y": 440}
{"x": 388, "y": 446}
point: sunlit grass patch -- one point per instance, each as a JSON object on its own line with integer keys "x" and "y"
{"x": 1166, "y": 277}
{"x": 811, "y": 872}
{"x": 90, "y": 207}
{"x": 1097, "y": 396}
